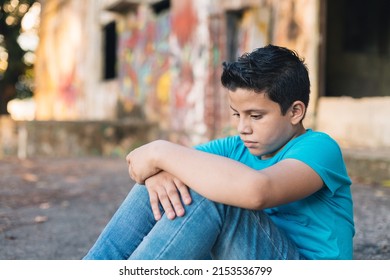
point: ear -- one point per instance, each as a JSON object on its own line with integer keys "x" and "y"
{"x": 297, "y": 112}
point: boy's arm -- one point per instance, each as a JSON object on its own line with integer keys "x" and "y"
{"x": 224, "y": 180}
{"x": 170, "y": 192}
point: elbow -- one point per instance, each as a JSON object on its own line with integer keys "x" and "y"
{"x": 258, "y": 195}
{"x": 257, "y": 203}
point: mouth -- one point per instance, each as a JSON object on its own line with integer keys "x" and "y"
{"x": 249, "y": 144}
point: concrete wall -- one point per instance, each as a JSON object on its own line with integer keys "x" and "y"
{"x": 169, "y": 66}
{"x": 8, "y": 137}
{"x": 82, "y": 138}
{"x": 169, "y": 63}
{"x": 163, "y": 67}
{"x": 356, "y": 122}
{"x": 68, "y": 69}
{"x": 296, "y": 25}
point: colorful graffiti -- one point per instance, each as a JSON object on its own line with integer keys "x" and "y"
{"x": 144, "y": 70}
{"x": 168, "y": 61}
{"x": 57, "y": 82}
{"x": 163, "y": 66}
{"x": 169, "y": 66}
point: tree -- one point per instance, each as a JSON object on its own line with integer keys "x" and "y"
{"x": 12, "y": 66}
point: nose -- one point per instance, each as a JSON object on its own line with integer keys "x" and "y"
{"x": 244, "y": 126}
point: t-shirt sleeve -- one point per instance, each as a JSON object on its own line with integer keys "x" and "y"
{"x": 324, "y": 156}
{"x": 222, "y": 147}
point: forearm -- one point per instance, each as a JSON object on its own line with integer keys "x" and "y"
{"x": 216, "y": 178}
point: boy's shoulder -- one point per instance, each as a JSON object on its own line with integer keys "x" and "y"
{"x": 318, "y": 150}
{"x": 314, "y": 142}
{"x": 315, "y": 133}
{"x": 312, "y": 137}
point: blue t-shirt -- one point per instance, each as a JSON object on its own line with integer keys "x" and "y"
{"x": 321, "y": 225}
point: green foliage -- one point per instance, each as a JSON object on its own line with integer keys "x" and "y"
{"x": 15, "y": 74}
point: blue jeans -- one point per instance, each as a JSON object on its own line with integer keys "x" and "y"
{"x": 207, "y": 230}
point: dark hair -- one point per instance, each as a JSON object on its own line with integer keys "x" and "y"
{"x": 278, "y": 72}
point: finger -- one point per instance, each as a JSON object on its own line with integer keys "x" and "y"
{"x": 175, "y": 200}
{"x": 154, "y": 203}
{"x": 184, "y": 192}
{"x": 166, "y": 204}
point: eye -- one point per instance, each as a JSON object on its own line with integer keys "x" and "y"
{"x": 237, "y": 115}
{"x": 256, "y": 117}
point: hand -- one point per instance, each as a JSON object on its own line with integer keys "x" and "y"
{"x": 141, "y": 162}
{"x": 165, "y": 189}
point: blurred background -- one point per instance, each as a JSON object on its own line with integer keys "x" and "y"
{"x": 104, "y": 75}
{"x": 96, "y": 78}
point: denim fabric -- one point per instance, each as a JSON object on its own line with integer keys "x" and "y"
{"x": 207, "y": 229}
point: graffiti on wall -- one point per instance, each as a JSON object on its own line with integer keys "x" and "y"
{"x": 143, "y": 55}
{"x": 163, "y": 66}
{"x": 57, "y": 82}
{"x": 170, "y": 66}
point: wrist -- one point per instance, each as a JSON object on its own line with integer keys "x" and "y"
{"x": 158, "y": 153}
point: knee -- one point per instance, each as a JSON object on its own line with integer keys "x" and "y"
{"x": 138, "y": 191}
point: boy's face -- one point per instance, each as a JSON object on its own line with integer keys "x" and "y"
{"x": 260, "y": 123}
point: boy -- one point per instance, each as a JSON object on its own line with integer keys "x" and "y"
{"x": 274, "y": 191}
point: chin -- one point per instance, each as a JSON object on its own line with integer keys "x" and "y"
{"x": 255, "y": 152}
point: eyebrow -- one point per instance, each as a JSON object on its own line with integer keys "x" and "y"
{"x": 258, "y": 111}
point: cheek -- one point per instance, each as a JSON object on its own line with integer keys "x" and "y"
{"x": 234, "y": 122}
{"x": 272, "y": 133}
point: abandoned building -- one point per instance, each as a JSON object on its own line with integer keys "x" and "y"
{"x": 111, "y": 74}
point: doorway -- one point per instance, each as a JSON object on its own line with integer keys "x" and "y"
{"x": 357, "y": 48}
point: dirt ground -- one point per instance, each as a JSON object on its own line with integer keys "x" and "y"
{"x": 54, "y": 209}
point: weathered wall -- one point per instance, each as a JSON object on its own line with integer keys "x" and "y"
{"x": 87, "y": 138}
{"x": 169, "y": 65}
{"x": 68, "y": 68}
{"x": 356, "y": 123}
{"x": 163, "y": 66}
{"x": 8, "y": 137}
{"x": 297, "y": 26}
